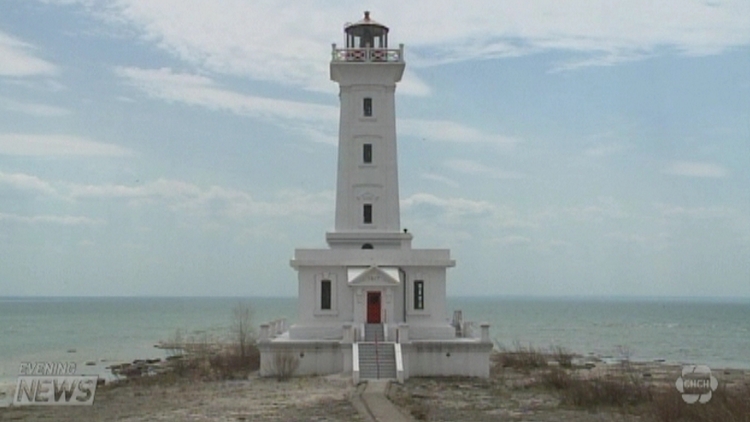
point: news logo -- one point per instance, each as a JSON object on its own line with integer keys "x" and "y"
{"x": 53, "y": 384}
{"x": 696, "y": 384}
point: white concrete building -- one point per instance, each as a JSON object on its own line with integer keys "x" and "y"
{"x": 370, "y": 304}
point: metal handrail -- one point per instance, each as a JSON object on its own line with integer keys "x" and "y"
{"x": 377, "y": 358}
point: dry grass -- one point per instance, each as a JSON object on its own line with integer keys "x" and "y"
{"x": 624, "y": 389}
{"x": 527, "y": 358}
{"x": 618, "y": 390}
{"x": 726, "y": 405}
{"x": 562, "y": 356}
{"x": 197, "y": 358}
{"x": 521, "y": 358}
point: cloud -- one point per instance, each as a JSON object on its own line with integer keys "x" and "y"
{"x": 33, "y": 109}
{"x": 606, "y": 149}
{"x": 65, "y": 220}
{"x": 453, "y": 211}
{"x": 200, "y": 90}
{"x": 512, "y": 240}
{"x": 317, "y": 122}
{"x": 628, "y": 237}
{"x": 289, "y": 43}
{"x": 705, "y": 212}
{"x": 439, "y": 178}
{"x": 477, "y": 169}
{"x": 605, "y": 208}
{"x": 210, "y": 202}
{"x": 450, "y": 131}
{"x": 25, "y": 182}
{"x": 18, "y": 59}
{"x": 411, "y": 84}
{"x": 696, "y": 169}
{"x": 56, "y": 145}
{"x": 314, "y": 120}
{"x": 451, "y": 206}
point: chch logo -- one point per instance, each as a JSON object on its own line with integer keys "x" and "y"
{"x": 696, "y": 384}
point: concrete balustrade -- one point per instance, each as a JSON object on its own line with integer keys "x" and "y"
{"x": 264, "y": 332}
{"x": 403, "y": 333}
{"x": 272, "y": 329}
{"x": 348, "y": 334}
{"x": 485, "y": 332}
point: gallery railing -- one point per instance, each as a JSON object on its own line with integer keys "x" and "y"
{"x": 382, "y": 55}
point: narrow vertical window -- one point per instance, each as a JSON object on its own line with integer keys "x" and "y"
{"x": 325, "y": 294}
{"x": 367, "y": 105}
{"x": 418, "y": 294}
{"x": 367, "y": 211}
{"x": 367, "y": 153}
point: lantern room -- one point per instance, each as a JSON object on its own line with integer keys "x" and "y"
{"x": 366, "y": 34}
{"x": 367, "y": 42}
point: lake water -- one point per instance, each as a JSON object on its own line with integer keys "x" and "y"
{"x": 108, "y": 330}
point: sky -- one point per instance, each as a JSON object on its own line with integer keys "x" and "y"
{"x": 186, "y": 147}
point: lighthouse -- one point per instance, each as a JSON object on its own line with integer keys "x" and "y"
{"x": 367, "y": 195}
{"x": 369, "y": 304}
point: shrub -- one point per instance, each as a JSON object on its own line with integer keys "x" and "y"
{"x": 521, "y": 358}
{"x": 285, "y": 364}
{"x": 562, "y": 356}
{"x": 557, "y": 379}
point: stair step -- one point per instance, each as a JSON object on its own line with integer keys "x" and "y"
{"x": 376, "y": 360}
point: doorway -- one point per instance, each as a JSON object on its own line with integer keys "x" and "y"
{"x": 373, "y": 307}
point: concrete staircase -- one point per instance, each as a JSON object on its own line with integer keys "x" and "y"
{"x": 373, "y": 332}
{"x": 377, "y": 361}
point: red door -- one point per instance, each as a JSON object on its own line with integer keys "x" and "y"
{"x": 373, "y": 307}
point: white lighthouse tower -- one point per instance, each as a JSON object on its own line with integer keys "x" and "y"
{"x": 369, "y": 295}
{"x": 367, "y": 199}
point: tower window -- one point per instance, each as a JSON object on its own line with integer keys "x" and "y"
{"x": 367, "y": 107}
{"x": 367, "y": 211}
{"x": 367, "y": 153}
{"x": 325, "y": 294}
{"x": 418, "y": 294}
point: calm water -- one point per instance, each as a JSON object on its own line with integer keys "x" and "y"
{"x": 716, "y": 333}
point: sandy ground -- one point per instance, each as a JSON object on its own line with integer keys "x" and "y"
{"x": 508, "y": 395}
{"x": 257, "y": 399}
